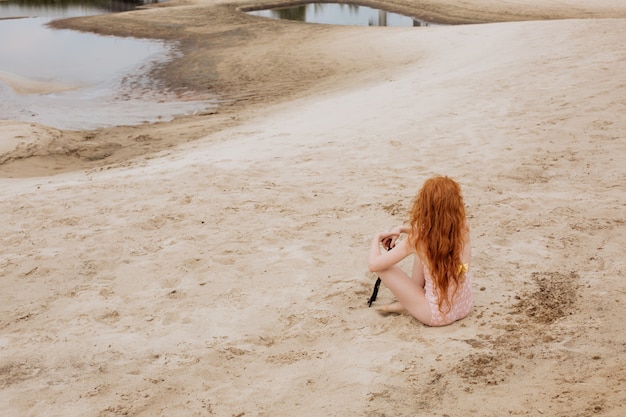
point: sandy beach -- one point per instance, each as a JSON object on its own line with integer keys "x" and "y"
{"x": 215, "y": 265}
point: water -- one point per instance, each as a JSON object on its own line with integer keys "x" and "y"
{"x": 65, "y": 8}
{"x": 340, "y": 14}
{"x": 74, "y": 80}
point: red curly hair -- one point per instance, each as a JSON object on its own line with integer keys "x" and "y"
{"x": 438, "y": 233}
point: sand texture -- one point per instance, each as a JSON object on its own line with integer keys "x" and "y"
{"x": 215, "y": 265}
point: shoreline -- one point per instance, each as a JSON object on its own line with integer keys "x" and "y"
{"x": 230, "y": 54}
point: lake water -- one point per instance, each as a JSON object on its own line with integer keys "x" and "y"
{"x": 74, "y": 80}
{"x": 340, "y": 14}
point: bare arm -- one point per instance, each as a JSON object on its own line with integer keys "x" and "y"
{"x": 396, "y": 232}
{"x": 379, "y": 260}
{"x": 466, "y": 256}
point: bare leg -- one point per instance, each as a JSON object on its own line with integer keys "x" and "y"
{"x": 394, "y": 308}
{"x": 409, "y": 293}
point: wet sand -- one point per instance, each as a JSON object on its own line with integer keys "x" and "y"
{"x": 215, "y": 264}
{"x": 25, "y": 85}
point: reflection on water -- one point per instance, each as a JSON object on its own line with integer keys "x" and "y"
{"x": 66, "y": 8}
{"x": 37, "y": 52}
{"x": 74, "y": 80}
{"x": 340, "y": 14}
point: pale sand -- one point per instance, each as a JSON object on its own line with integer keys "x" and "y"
{"x": 226, "y": 276}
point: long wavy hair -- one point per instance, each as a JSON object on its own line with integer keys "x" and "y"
{"x": 438, "y": 233}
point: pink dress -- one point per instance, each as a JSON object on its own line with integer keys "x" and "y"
{"x": 461, "y": 305}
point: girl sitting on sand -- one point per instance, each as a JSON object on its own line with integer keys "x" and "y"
{"x": 438, "y": 292}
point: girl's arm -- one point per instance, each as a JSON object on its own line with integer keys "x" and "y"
{"x": 403, "y": 229}
{"x": 396, "y": 232}
{"x": 380, "y": 260}
{"x": 466, "y": 256}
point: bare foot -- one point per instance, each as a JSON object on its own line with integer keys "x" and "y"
{"x": 395, "y": 308}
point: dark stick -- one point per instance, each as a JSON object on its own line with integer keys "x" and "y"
{"x": 375, "y": 292}
{"x": 378, "y": 280}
